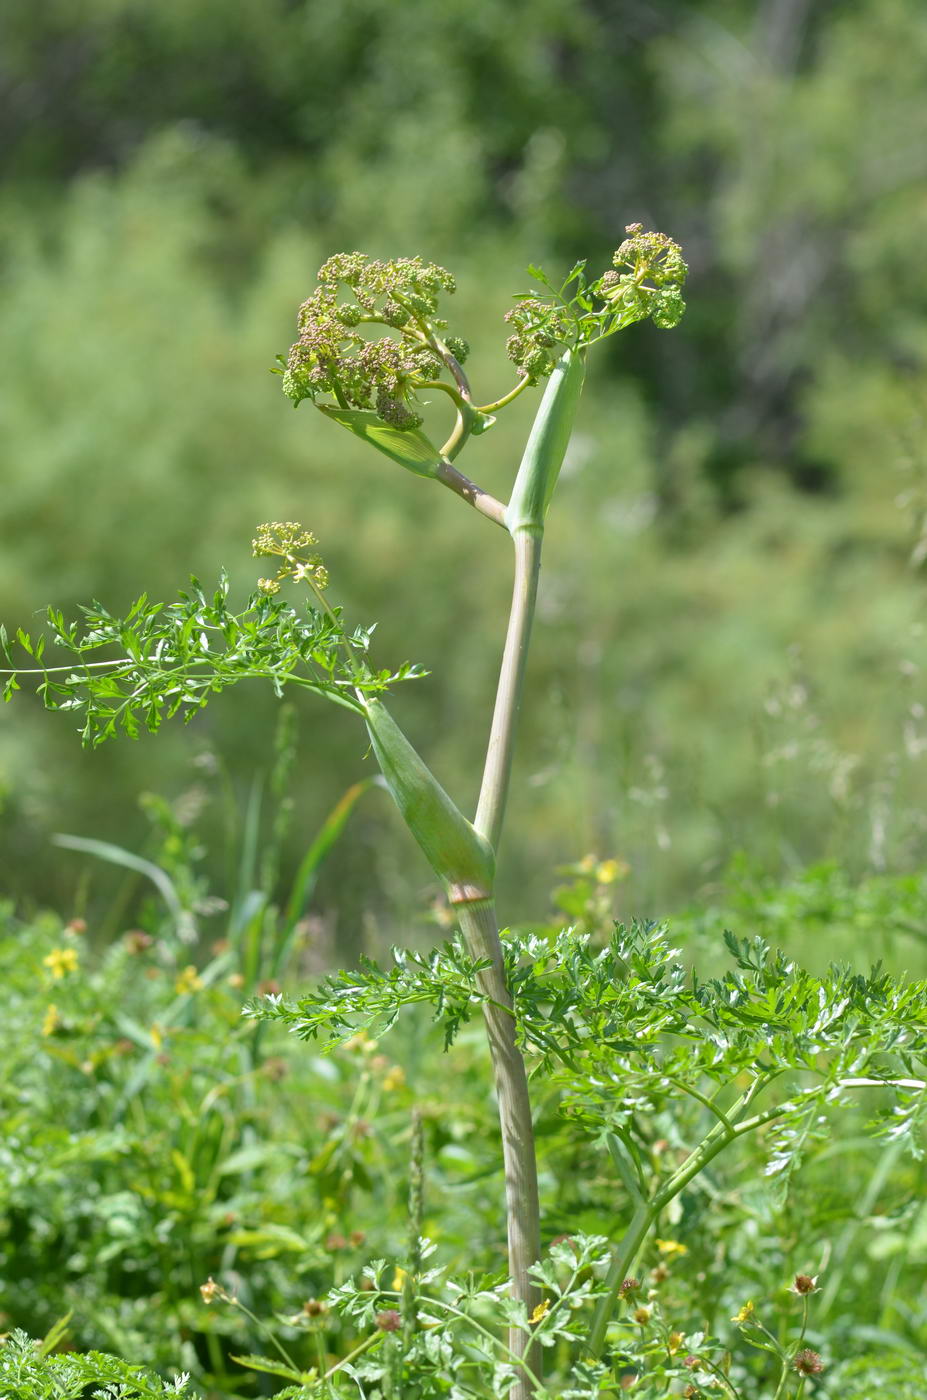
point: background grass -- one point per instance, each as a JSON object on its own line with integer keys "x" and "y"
{"x": 731, "y": 634}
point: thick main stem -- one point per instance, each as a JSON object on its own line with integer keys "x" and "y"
{"x": 498, "y": 767}
{"x": 481, "y": 931}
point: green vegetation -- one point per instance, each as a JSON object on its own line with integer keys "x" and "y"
{"x": 151, "y": 1142}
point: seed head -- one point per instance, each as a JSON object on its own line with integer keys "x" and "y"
{"x": 807, "y": 1362}
{"x": 211, "y": 1290}
{"x": 389, "y": 1320}
{"x": 804, "y": 1284}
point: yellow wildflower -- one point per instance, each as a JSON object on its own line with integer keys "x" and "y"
{"x": 671, "y": 1249}
{"x": 746, "y": 1313}
{"x": 399, "y": 1279}
{"x": 541, "y": 1311}
{"x": 61, "y": 960}
{"x": 187, "y": 981}
{"x": 51, "y": 1020}
{"x": 394, "y": 1078}
{"x": 608, "y": 871}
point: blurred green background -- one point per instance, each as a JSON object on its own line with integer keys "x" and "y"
{"x": 731, "y": 632}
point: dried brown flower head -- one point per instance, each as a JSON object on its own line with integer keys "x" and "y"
{"x": 808, "y": 1362}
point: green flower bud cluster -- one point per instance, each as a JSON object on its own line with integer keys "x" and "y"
{"x": 335, "y": 360}
{"x": 458, "y": 347}
{"x": 287, "y": 540}
{"x": 540, "y": 333}
{"x": 645, "y": 281}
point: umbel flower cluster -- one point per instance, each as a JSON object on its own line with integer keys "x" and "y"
{"x": 334, "y": 357}
{"x": 288, "y": 541}
{"x": 645, "y": 280}
{"x": 341, "y": 363}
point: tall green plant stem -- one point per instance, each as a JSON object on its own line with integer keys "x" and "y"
{"x": 524, "y": 518}
{"x": 480, "y": 928}
{"x": 490, "y": 812}
{"x": 463, "y": 855}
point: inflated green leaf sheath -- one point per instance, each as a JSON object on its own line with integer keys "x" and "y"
{"x": 547, "y": 445}
{"x": 462, "y": 859}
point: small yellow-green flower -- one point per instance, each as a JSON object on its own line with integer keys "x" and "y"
{"x": 541, "y": 1311}
{"x": 746, "y": 1314}
{"x": 188, "y": 980}
{"x": 60, "y": 961}
{"x": 51, "y": 1020}
{"x": 360, "y": 1043}
{"x": 671, "y": 1249}
{"x": 394, "y": 1078}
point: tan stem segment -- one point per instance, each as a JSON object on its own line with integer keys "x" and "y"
{"x": 474, "y": 495}
{"x": 481, "y": 931}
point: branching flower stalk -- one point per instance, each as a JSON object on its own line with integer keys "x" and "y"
{"x": 373, "y": 348}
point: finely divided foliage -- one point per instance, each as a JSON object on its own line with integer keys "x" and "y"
{"x": 29, "y": 1372}
{"x": 626, "y": 1030}
{"x": 160, "y": 660}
